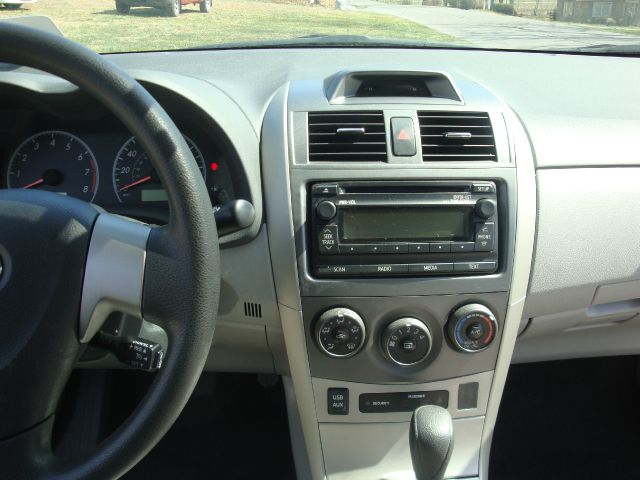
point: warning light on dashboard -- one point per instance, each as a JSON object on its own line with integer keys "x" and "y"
{"x": 214, "y": 166}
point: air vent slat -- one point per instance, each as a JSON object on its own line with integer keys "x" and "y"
{"x": 347, "y": 136}
{"x": 456, "y": 136}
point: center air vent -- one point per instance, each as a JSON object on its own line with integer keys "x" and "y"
{"x": 456, "y": 136}
{"x": 350, "y": 136}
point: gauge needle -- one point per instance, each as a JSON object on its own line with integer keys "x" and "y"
{"x": 137, "y": 182}
{"x": 33, "y": 184}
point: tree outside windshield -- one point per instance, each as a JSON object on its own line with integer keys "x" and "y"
{"x": 140, "y": 25}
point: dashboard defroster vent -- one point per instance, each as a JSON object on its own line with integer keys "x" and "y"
{"x": 456, "y": 136}
{"x": 351, "y": 136}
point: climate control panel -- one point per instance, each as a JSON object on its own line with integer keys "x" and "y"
{"x": 340, "y": 332}
{"x": 409, "y": 339}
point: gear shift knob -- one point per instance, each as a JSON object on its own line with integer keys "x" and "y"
{"x": 430, "y": 442}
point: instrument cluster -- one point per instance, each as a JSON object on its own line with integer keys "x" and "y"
{"x": 108, "y": 168}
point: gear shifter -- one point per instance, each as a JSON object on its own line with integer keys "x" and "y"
{"x": 430, "y": 442}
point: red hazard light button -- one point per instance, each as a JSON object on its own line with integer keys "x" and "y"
{"x": 403, "y": 138}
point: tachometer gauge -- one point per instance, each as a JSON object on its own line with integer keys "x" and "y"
{"x": 55, "y": 161}
{"x": 134, "y": 178}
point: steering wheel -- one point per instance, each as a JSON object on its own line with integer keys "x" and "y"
{"x": 66, "y": 265}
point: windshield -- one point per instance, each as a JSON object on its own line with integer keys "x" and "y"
{"x": 139, "y": 25}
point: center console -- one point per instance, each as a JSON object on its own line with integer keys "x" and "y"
{"x": 399, "y": 270}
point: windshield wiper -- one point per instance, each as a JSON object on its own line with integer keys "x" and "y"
{"x": 329, "y": 41}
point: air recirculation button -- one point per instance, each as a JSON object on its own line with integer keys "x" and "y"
{"x": 340, "y": 332}
{"x": 407, "y": 341}
{"x": 472, "y": 328}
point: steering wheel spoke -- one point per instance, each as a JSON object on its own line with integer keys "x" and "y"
{"x": 114, "y": 272}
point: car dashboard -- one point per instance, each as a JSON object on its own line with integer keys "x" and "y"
{"x": 524, "y": 163}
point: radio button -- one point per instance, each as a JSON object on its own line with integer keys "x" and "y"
{"x": 440, "y": 247}
{"x": 485, "y": 237}
{"x": 397, "y": 248}
{"x": 474, "y": 267}
{"x": 431, "y": 268}
{"x": 385, "y": 269}
{"x": 328, "y": 240}
{"x": 462, "y": 246}
{"x": 418, "y": 248}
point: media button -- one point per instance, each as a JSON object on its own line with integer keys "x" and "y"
{"x": 462, "y": 246}
{"x": 431, "y": 268}
{"x": 440, "y": 247}
{"x": 397, "y": 248}
{"x": 474, "y": 267}
{"x": 418, "y": 248}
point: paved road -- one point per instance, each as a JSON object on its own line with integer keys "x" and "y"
{"x": 492, "y": 30}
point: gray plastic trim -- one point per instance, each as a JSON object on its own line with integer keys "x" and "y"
{"x": 293, "y": 329}
{"x": 380, "y": 451}
{"x": 320, "y": 386}
{"x": 524, "y": 243}
{"x": 275, "y": 177}
{"x": 114, "y": 272}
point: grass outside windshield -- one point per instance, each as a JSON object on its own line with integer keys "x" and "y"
{"x": 96, "y": 24}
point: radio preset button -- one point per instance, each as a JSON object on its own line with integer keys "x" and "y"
{"x": 474, "y": 267}
{"x": 440, "y": 247}
{"x": 397, "y": 248}
{"x": 418, "y": 248}
{"x": 366, "y": 248}
{"x": 462, "y": 246}
{"x": 328, "y": 240}
{"x": 431, "y": 268}
{"x": 326, "y": 210}
{"x": 485, "y": 237}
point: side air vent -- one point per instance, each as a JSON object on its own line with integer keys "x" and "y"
{"x": 456, "y": 136}
{"x": 350, "y": 136}
{"x": 252, "y": 310}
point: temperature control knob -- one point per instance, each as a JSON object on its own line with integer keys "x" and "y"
{"x": 472, "y": 327}
{"x": 407, "y": 341}
{"x": 340, "y": 332}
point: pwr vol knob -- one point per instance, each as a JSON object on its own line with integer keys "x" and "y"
{"x": 472, "y": 328}
{"x": 340, "y": 332}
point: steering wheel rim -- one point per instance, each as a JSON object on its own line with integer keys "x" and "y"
{"x": 180, "y": 276}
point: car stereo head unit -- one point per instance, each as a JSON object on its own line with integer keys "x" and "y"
{"x": 404, "y": 228}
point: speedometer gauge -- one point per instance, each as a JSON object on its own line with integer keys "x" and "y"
{"x": 134, "y": 178}
{"x": 55, "y": 161}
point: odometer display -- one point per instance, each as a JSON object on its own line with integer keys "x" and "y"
{"x": 134, "y": 178}
{"x": 55, "y": 161}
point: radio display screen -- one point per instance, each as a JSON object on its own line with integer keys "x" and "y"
{"x": 405, "y": 224}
